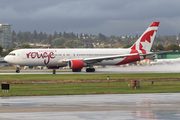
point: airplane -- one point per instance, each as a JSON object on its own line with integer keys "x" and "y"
{"x": 165, "y": 61}
{"x": 76, "y": 59}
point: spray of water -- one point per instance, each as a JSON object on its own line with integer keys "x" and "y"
{"x": 163, "y": 68}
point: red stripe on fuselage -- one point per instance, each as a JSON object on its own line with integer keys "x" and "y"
{"x": 132, "y": 58}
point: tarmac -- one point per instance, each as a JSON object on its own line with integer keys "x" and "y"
{"x": 164, "y": 68}
{"x": 156, "y": 106}
{"x": 84, "y": 107}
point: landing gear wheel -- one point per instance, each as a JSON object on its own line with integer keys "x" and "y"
{"x": 90, "y": 70}
{"x": 76, "y": 70}
{"x": 54, "y": 71}
{"x": 18, "y": 71}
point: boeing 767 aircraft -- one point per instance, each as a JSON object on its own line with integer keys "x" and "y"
{"x": 76, "y": 59}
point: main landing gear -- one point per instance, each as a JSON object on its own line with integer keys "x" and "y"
{"x": 90, "y": 70}
{"x": 76, "y": 70}
{"x": 87, "y": 70}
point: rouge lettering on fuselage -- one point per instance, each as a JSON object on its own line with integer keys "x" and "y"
{"x": 44, "y": 55}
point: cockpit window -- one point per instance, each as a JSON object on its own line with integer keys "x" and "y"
{"x": 13, "y": 54}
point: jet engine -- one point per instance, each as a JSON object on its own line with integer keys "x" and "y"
{"x": 76, "y": 64}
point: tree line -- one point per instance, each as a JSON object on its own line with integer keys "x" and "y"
{"x": 72, "y": 40}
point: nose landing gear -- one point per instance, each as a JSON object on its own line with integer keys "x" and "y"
{"x": 17, "y": 70}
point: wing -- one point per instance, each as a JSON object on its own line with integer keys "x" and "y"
{"x": 100, "y": 59}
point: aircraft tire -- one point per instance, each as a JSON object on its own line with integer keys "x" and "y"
{"x": 90, "y": 70}
{"x": 76, "y": 70}
{"x": 17, "y": 71}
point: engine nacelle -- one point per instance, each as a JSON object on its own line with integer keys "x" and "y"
{"x": 53, "y": 67}
{"x": 76, "y": 64}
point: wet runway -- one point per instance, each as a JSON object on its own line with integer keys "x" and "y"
{"x": 167, "y": 68}
{"x": 157, "y": 106}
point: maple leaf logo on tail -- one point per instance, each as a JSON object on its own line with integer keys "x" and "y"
{"x": 144, "y": 43}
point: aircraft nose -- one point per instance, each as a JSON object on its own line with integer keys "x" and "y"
{"x": 6, "y": 58}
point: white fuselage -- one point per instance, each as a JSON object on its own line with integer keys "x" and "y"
{"x": 55, "y": 57}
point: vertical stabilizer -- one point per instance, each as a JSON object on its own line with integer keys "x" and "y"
{"x": 144, "y": 43}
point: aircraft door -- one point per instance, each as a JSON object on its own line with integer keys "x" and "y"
{"x": 75, "y": 55}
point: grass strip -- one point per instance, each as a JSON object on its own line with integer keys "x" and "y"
{"x": 89, "y": 88}
{"x": 124, "y": 76}
{"x": 118, "y": 84}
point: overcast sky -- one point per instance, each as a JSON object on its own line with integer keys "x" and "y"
{"x": 109, "y": 17}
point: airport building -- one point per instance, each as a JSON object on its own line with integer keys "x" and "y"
{"x": 5, "y": 35}
{"x": 168, "y": 55}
